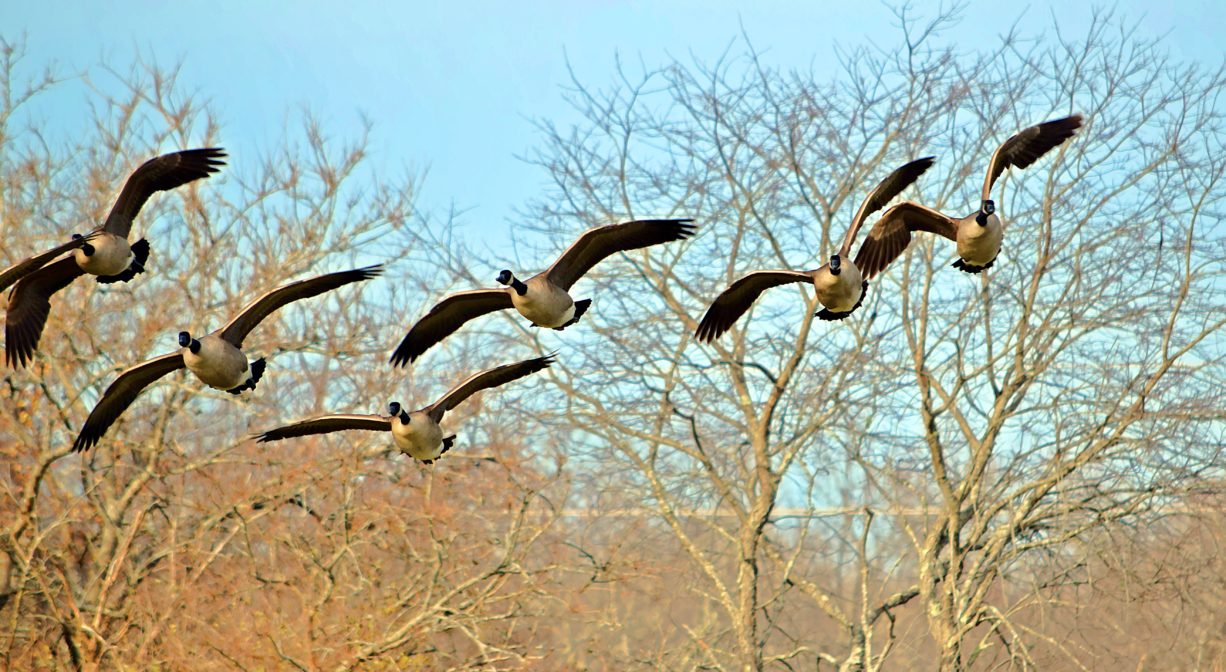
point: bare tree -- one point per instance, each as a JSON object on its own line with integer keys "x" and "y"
{"x": 970, "y": 429}
{"x": 1011, "y": 470}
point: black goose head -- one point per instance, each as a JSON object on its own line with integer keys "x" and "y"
{"x": 396, "y": 411}
{"x": 986, "y": 208}
{"x": 186, "y": 341}
{"x": 508, "y": 278}
{"x": 836, "y": 264}
{"x": 86, "y": 248}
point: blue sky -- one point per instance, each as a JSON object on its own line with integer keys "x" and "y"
{"x": 453, "y": 87}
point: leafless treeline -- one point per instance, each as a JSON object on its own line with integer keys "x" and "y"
{"x": 1029, "y": 461}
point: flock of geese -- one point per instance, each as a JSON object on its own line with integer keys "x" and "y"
{"x": 217, "y": 358}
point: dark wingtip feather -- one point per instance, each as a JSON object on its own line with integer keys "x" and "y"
{"x": 370, "y": 271}
{"x": 709, "y": 329}
{"x": 85, "y": 440}
{"x": 212, "y": 157}
{"x": 543, "y": 362}
{"x": 1065, "y": 128}
{"x": 405, "y": 353}
{"x": 684, "y": 228}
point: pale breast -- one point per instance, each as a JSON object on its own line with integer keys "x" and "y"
{"x": 111, "y": 256}
{"x": 544, "y": 304}
{"x": 839, "y": 293}
{"x": 979, "y": 244}
{"x": 218, "y": 364}
{"x": 421, "y": 438}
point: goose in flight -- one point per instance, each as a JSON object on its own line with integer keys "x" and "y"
{"x": 216, "y": 359}
{"x": 105, "y": 252}
{"x": 839, "y": 285}
{"x": 417, "y": 433}
{"x": 544, "y": 298}
{"x": 977, "y": 235}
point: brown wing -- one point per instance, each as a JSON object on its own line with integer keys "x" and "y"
{"x": 484, "y": 380}
{"x": 257, "y": 310}
{"x": 29, "y": 305}
{"x": 27, "y": 266}
{"x": 740, "y": 295}
{"x": 1027, "y": 146}
{"x": 447, "y": 316}
{"x": 596, "y": 244}
{"x": 159, "y": 174}
{"x": 891, "y": 186}
{"x": 326, "y": 424}
{"x": 889, "y": 237}
{"x": 121, "y": 394}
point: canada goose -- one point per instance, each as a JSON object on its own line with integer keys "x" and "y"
{"x": 418, "y": 433}
{"x": 978, "y": 235}
{"x": 216, "y": 359}
{"x": 839, "y": 285}
{"x": 104, "y": 253}
{"x": 543, "y": 299}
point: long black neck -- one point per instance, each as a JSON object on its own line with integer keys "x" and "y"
{"x": 404, "y": 418}
{"x": 194, "y": 346}
{"x": 519, "y": 287}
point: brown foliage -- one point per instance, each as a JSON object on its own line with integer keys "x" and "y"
{"x": 1020, "y": 470}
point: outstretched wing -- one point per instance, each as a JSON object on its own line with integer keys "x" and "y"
{"x": 596, "y": 244}
{"x": 121, "y": 394}
{"x": 484, "y": 380}
{"x": 1025, "y": 147}
{"x": 159, "y": 174}
{"x": 740, "y": 295}
{"x": 889, "y": 237}
{"x": 447, "y": 316}
{"x": 28, "y": 265}
{"x": 891, "y": 186}
{"x": 257, "y": 310}
{"x": 326, "y": 424}
{"x": 29, "y": 305}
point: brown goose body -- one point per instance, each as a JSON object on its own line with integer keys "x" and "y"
{"x": 416, "y": 433}
{"x": 839, "y": 284}
{"x": 544, "y": 299}
{"x": 216, "y": 359}
{"x": 105, "y": 253}
{"x": 978, "y": 236}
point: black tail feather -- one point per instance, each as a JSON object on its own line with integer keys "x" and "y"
{"x": 257, "y": 372}
{"x": 140, "y": 254}
{"x": 581, "y": 307}
{"x": 961, "y": 265}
